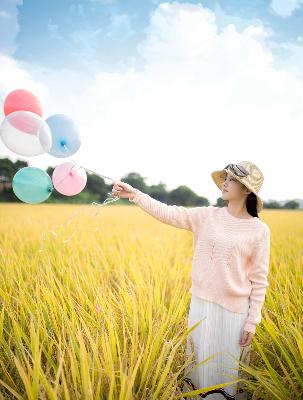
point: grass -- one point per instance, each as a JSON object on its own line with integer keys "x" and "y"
{"x": 95, "y": 307}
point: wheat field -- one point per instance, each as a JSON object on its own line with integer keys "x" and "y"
{"x": 96, "y": 307}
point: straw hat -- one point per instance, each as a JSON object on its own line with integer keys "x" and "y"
{"x": 245, "y": 172}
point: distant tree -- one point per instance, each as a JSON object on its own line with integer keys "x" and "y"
{"x": 221, "y": 203}
{"x": 158, "y": 192}
{"x": 7, "y": 171}
{"x": 136, "y": 180}
{"x": 272, "y": 204}
{"x": 97, "y": 186}
{"x": 292, "y": 204}
{"x": 97, "y": 190}
{"x": 183, "y": 195}
{"x": 9, "y": 168}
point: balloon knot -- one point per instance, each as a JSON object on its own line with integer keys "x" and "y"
{"x": 63, "y": 142}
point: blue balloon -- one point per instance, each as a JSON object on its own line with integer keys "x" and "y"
{"x": 32, "y": 185}
{"x": 65, "y": 136}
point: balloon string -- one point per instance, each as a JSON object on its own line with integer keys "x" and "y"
{"x": 79, "y": 167}
{"x": 55, "y": 231}
{"x": 103, "y": 176}
{"x": 108, "y": 200}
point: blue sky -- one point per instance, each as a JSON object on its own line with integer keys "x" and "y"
{"x": 102, "y": 33}
{"x": 205, "y": 82}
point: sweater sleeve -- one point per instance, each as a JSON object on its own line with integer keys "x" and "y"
{"x": 188, "y": 218}
{"x": 258, "y": 277}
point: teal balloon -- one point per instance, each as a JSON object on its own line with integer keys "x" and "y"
{"x": 32, "y": 185}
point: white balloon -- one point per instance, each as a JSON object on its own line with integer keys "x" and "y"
{"x": 26, "y": 133}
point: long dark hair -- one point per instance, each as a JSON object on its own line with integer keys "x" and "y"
{"x": 251, "y": 204}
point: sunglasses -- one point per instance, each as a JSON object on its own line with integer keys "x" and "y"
{"x": 237, "y": 169}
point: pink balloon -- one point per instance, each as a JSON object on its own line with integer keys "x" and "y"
{"x": 22, "y": 100}
{"x": 69, "y": 179}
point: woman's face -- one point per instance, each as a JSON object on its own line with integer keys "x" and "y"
{"x": 232, "y": 189}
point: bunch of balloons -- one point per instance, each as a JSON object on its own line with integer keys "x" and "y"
{"x": 25, "y": 132}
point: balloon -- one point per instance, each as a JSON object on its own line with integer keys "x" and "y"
{"x": 22, "y": 100}
{"x": 32, "y": 185}
{"x": 69, "y": 179}
{"x": 65, "y": 136}
{"x": 25, "y": 133}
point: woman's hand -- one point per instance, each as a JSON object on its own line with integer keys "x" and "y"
{"x": 123, "y": 190}
{"x": 246, "y": 338}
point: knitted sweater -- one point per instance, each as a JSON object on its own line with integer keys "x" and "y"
{"x": 231, "y": 255}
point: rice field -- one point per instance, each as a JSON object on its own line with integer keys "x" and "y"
{"x": 97, "y": 308}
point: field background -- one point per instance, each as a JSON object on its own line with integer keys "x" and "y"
{"x": 104, "y": 315}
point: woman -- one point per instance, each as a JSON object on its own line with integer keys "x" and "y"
{"x": 229, "y": 272}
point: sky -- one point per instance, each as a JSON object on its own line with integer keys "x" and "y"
{"x": 172, "y": 90}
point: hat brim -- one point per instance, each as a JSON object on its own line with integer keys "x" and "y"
{"x": 219, "y": 176}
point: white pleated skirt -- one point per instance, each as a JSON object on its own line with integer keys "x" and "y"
{"x": 217, "y": 335}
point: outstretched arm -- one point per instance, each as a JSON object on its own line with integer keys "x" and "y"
{"x": 178, "y": 216}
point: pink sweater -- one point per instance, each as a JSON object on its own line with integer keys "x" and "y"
{"x": 231, "y": 255}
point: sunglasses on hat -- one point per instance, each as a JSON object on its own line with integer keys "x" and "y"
{"x": 237, "y": 169}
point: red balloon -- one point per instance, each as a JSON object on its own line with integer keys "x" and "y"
{"x": 22, "y": 100}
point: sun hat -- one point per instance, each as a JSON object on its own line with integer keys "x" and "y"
{"x": 245, "y": 172}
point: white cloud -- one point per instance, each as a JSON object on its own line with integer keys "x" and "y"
{"x": 200, "y": 99}
{"x": 15, "y": 75}
{"x": 285, "y": 8}
{"x": 223, "y": 19}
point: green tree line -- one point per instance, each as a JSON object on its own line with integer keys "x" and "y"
{"x": 97, "y": 190}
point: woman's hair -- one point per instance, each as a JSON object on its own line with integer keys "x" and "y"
{"x": 251, "y": 204}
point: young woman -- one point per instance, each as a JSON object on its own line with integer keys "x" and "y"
{"x": 229, "y": 272}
